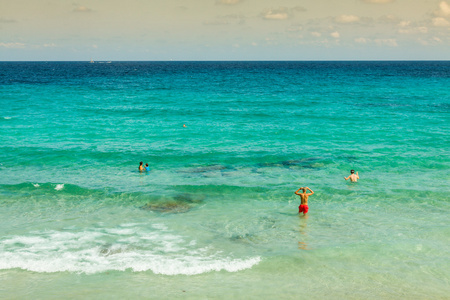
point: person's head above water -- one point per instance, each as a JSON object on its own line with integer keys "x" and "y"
{"x": 146, "y": 165}
{"x": 352, "y": 171}
{"x": 141, "y": 163}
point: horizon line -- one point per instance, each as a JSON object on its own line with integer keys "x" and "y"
{"x": 275, "y": 60}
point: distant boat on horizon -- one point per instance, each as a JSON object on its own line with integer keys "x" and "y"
{"x": 92, "y": 61}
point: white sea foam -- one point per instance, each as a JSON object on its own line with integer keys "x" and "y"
{"x": 59, "y": 187}
{"x": 104, "y": 250}
{"x": 7, "y": 118}
{"x": 36, "y": 185}
{"x": 24, "y": 240}
{"x": 122, "y": 231}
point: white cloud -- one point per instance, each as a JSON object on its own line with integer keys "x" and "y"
{"x": 404, "y": 31}
{"x": 413, "y": 30}
{"x": 378, "y": 1}
{"x": 51, "y": 45}
{"x": 277, "y": 14}
{"x": 12, "y": 45}
{"x": 406, "y": 28}
{"x": 386, "y": 42}
{"x": 271, "y": 41}
{"x": 432, "y": 41}
{"x": 345, "y": 19}
{"x": 444, "y": 9}
{"x": 82, "y": 9}
{"x": 281, "y": 13}
{"x": 389, "y": 19}
{"x": 440, "y": 22}
{"x": 362, "y": 40}
{"x": 379, "y": 42}
{"x": 335, "y": 34}
{"x": 228, "y": 2}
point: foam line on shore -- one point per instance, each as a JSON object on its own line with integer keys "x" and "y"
{"x": 159, "y": 251}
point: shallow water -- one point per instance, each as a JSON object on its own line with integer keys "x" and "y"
{"x": 216, "y": 217}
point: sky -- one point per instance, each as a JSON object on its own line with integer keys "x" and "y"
{"x": 163, "y": 30}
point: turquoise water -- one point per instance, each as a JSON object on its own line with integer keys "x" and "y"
{"x": 216, "y": 217}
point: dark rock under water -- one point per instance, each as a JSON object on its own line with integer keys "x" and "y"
{"x": 188, "y": 198}
{"x": 168, "y": 207}
{"x": 107, "y": 250}
{"x": 178, "y": 204}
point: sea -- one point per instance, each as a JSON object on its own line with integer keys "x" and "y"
{"x": 227, "y": 143}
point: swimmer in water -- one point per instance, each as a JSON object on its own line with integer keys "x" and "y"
{"x": 141, "y": 168}
{"x": 303, "y": 199}
{"x": 353, "y": 177}
{"x": 147, "y": 168}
